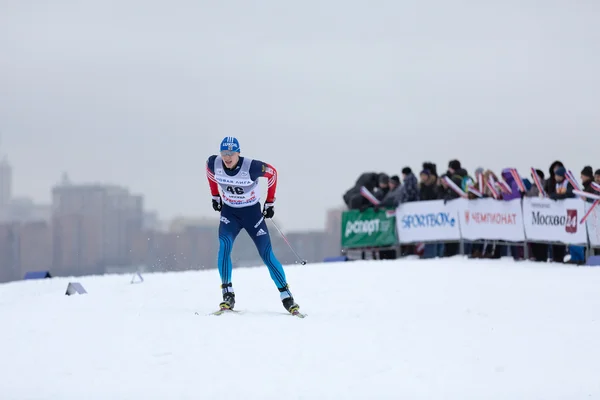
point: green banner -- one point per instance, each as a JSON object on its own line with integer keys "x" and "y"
{"x": 369, "y": 228}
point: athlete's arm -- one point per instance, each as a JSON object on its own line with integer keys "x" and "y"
{"x": 210, "y": 175}
{"x": 259, "y": 169}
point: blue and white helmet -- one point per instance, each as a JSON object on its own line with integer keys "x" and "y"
{"x": 230, "y": 144}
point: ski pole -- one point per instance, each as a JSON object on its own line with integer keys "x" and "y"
{"x": 303, "y": 262}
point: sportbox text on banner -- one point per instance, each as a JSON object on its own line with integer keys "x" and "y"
{"x": 425, "y": 221}
{"x": 491, "y": 219}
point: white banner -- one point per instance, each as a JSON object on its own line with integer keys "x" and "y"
{"x": 554, "y": 221}
{"x": 424, "y": 221}
{"x": 593, "y": 224}
{"x": 491, "y": 219}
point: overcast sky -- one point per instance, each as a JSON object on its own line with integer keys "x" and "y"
{"x": 140, "y": 93}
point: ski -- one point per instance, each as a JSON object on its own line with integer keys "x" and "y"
{"x": 298, "y": 314}
{"x": 223, "y": 311}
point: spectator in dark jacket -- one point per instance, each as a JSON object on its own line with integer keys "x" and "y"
{"x": 429, "y": 190}
{"x": 392, "y": 197}
{"x": 432, "y": 168}
{"x": 353, "y": 198}
{"x": 409, "y": 191}
{"x": 539, "y": 251}
{"x": 453, "y": 167}
{"x": 587, "y": 176}
{"x": 446, "y": 193}
{"x": 428, "y": 187}
{"x": 534, "y": 191}
{"x": 383, "y": 187}
{"x": 551, "y": 182}
{"x": 563, "y": 188}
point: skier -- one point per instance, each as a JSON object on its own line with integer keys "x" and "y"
{"x": 239, "y": 205}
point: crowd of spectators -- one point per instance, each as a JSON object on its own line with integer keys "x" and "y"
{"x": 391, "y": 191}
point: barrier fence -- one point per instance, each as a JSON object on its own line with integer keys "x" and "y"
{"x": 530, "y": 219}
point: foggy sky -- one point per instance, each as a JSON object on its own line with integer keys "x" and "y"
{"x": 141, "y": 93}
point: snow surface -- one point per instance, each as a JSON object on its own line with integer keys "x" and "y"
{"x": 401, "y": 329}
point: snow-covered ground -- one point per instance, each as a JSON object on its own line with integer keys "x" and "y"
{"x": 402, "y": 329}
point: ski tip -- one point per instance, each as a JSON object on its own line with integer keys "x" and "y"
{"x": 299, "y": 314}
{"x": 224, "y": 310}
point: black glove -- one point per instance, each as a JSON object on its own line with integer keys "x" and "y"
{"x": 268, "y": 210}
{"x": 216, "y": 203}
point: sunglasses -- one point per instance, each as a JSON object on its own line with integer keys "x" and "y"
{"x": 228, "y": 153}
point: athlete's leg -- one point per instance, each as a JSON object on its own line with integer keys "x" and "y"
{"x": 254, "y": 223}
{"x": 229, "y": 228}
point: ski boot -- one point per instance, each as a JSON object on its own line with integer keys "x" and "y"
{"x": 228, "y": 297}
{"x": 288, "y": 301}
{"x": 290, "y": 305}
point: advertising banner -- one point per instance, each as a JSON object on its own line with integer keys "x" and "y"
{"x": 427, "y": 221}
{"x": 593, "y": 224}
{"x": 491, "y": 219}
{"x": 554, "y": 221}
{"x": 369, "y": 228}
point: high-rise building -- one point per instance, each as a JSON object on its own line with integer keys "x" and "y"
{"x": 333, "y": 228}
{"x": 35, "y": 247}
{"x": 5, "y": 184}
{"x": 94, "y": 226}
{"x": 9, "y": 252}
{"x": 18, "y": 209}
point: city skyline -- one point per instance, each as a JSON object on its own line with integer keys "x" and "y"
{"x": 90, "y": 229}
{"x": 324, "y": 93}
{"x": 8, "y": 197}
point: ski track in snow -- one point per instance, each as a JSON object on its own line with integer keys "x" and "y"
{"x": 393, "y": 329}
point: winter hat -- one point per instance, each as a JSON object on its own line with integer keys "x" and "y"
{"x": 426, "y": 172}
{"x": 554, "y": 165}
{"x": 587, "y": 171}
{"x": 384, "y": 178}
{"x": 540, "y": 173}
{"x": 461, "y": 172}
{"x": 230, "y": 143}
{"x": 454, "y": 164}
{"x": 431, "y": 167}
{"x": 395, "y": 179}
{"x": 406, "y": 170}
{"x": 561, "y": 171}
